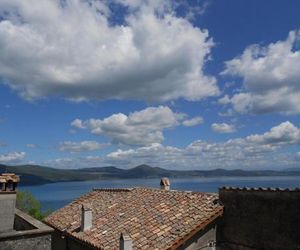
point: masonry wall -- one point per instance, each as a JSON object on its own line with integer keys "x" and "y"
{"x": 27, "y": 234}
{"x": 259, "y": 219}
{"x": 62, "y": 242}
{"x": 7, "y": 210}
{"x": 21, "y": 224}
{"x": 42, "y": 242}
{"x": 203, "y": 240}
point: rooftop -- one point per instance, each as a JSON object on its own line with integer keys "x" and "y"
{"x": 7, "y": 177}
{"x": 153, "y": 218}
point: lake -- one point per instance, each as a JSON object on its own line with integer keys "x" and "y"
{"x": 56, "y": 195}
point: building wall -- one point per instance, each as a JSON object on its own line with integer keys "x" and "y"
{"x": 60, "y": 242}
{"x": 21, "y": 224}
{"x": 7, "y": 211}
{"x": 27, "y": 234}
{"x": 42, "y": 242}
{"x": 259, "y": 219}
{"x": 203, "y": 240}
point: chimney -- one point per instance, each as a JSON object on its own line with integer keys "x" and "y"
{"x": 165, "y": 183}
{"x": 8, "y": 195}
{"x": 125, "y": 242}
{"x": 86, "y": 218}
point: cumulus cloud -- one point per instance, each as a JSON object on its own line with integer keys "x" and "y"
{"x": 284, "y": 133}
{"x": 193, "y": 122}
{"x": 76, "y": 50}
{"x": 191, "y": 10}
{"x": 271, "y": 77}
{"x": 265, "y": 150}
{"x": 223, "y": 128}
{"x": 12, "y": 157}
{"x": 77, "y": 123}
{"x": 244, "y": 152}
{"x": 76, "y": 147}
{"x": 138, "y": 128}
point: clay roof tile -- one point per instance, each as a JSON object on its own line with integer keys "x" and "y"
{"x": 153, "y": 218}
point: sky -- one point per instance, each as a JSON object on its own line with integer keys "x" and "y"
{"x": 199, "y": 84}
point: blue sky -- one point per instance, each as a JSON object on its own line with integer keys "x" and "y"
{"x": 174, "y": 84}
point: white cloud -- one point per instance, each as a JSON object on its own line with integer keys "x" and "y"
{"x": 31, "y": 145}
{"x": 227, "y": 113}
{"x": 74, "y": 51}
{"x": 223, "y": 128}
{"x": 271, "y": 78}
{"x": 77, "y": 123}
{"x": 193, "y": 122}
{"x": 138, "y": 128}
{"x": 284, "y": 133}
{"x": 165, "y": 156}
{"x": 65, "y": 163}
{"x": 191, "y": 10}
{"x": 241, "y": 103}
{"x": 76, "y": 147}
{"x": 12, "y": 157}
{"x": 266, "y": 151}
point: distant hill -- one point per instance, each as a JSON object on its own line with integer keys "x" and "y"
{"x": 293, "y": 169}
{"x": 37, "y": 175}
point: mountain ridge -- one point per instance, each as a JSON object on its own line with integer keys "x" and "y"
{"x": 37, "y": 175}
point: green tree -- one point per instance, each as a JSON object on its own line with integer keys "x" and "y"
{"x": 30, "y": 205}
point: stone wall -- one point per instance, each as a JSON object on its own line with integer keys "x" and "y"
{"x": 28, "y": 233}
{"x": 7, "y": 210}
{"x": 204, "y": 239}
{"x": 64, "y": 242}
{"x": 259, "y": 219}
{"x": 41, "y": 242}
{"x": 21, "y": 224}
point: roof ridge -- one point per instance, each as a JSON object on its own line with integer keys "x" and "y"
{"x": 262, "y": 189}
{"x": 113, "y": 189}
{"x": 152, "y": 189}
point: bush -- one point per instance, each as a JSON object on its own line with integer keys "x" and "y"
{"x": 27, "y": 203}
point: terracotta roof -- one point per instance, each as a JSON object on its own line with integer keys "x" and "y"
{"x": 153, "y": 218}
{"x": 6, "y": 177}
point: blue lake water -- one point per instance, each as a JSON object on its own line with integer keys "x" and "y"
{"x": 56, "y": 195}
